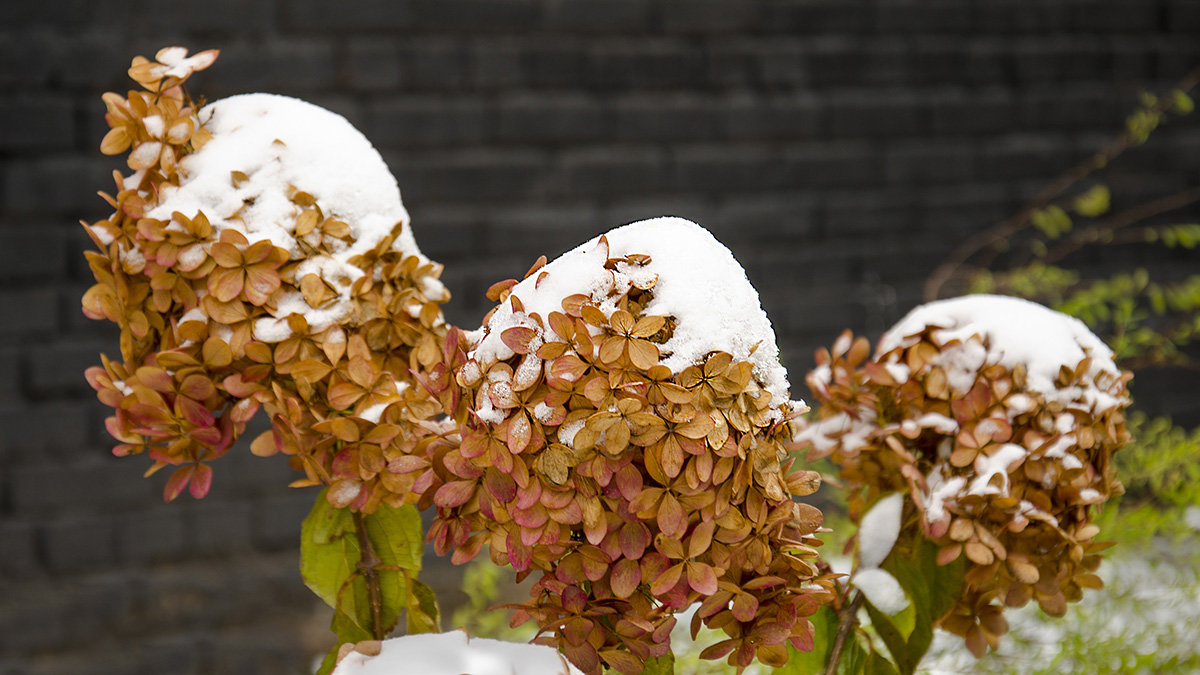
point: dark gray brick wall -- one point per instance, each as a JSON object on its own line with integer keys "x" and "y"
{"x": 840, "y": 148}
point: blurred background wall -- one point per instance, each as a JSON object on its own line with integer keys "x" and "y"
{"x": 840, "y": 148}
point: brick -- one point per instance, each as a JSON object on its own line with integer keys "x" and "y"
{"x": 292, "y": 67}
{"x": 667, "y": 118}
{"x": 785, "y": 65}
{"x": 447, "y": 234}
{"x": 816, "y": 165}
{"x": 727, "y": 168}
{"x": 79, "y": 544}
{"x": 373, "y": 64}
{"x": 866, "y": 114}
{"x": 596, "y": 16}
{"x": 847, "y": 62}
{"x": 815, "y": 17}
{"x": 614, "y": 170}
{"x": 1016, "y": 155}
{"x": 494, "y": 66}
{"x": 18, "y": 549}
{"x": 434, "y": 64}
{"x": 57, "y": 368}
{"x": 779, "y": 117}
{"x": 708, "y": 16}
{"x": 647, "y": 64}
{"x": 1075, "y": 109}
{"x": 30, "y": 254}
{"x": 1021, "y": 16}
{"x": 979, "y": 112}
{"x": 1113, "y": 16}
{"x": 913, "y": 162}
{"x": 475, "y": 15}
{"x": 1183, "y": 16}
{"x": 425, "y": 122}
{"x": 37, "y": 124}
{"x": 550, "y": 118}
{"x": 57, "y": 489}
{"x": 694, "y": 207}
{"x": 470, "y": 176}
{"x": 934, "y": 62}
{"x": 53, "y": 430}
{"x": 905, "y": 16}
{"x": 221, "y": 16}
{"x": 57, "y": 184}
{"x": 22, "y": 63}
{"x": 860, "y": 214}
{"x": 151, "y": 536}
{"x": 368, "y": 15}
{"x": 558, "y": 65}
{"x": 778, "y": 218}
{"x": 216, "y": 527}
{"x": 12, "y": 388}
{"x": 535, "y": 230}
{"x": 277, "y": 520}
{"x": 28, "y": 311}
{"x": 32, "y": 617}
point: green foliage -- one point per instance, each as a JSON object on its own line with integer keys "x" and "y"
{"x": 932, "y": 590}
{"x": 481, "y": 584}
{"x": 333, "y": 566}
{"x": 1161, "y": 473}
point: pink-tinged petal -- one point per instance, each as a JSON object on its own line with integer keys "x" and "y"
{"x": 520, "y": 556}
{"x": 207, "y": 435}
{"x": 634, "y": 538}
{"x": 629, "y": 481}
{"x": 702, "y": 578}
{"x": 407, "y": 464}
{"x": 195, "y": 413}
{"x": 527, "y": 498}
{"x": 745, "y": 607}
{"x": 667, "y": 580}
{"x": 178, "y": 481}
{"x": 454, "y": 494}
{"x": 201, "y": 481}
{"x": 501, "y": 486}
{"x": 532, "y": 518}
{"x": 518, "y": 338}
{"x": 802, "y": 636}
{"x": 626, "y": 576}
{"x": 672, "y": 520}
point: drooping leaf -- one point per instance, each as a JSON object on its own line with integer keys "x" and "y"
{"x": 423, "y": 612}
{"x": 824, "y": 630}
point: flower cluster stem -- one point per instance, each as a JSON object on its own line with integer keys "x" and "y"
{"x": 369, "y": 563}
{"x": 847, "y": 622}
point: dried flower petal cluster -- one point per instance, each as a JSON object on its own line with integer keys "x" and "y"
{"x": 634, "y": 491}
{"x": 223, "y": 309}
{"x": 1003, "y": 462}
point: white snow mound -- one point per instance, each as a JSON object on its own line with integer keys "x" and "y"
{"x": 454, "y": 653}
{"x": 699, "y": 283}
{"x": 1016, "y": 331}
{"x": 283, "y": 145}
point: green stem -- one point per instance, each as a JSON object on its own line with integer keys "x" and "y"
{"x": 368, "y": 564}
{"x": 847, "y": 622}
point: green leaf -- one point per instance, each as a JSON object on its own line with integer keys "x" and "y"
{"x": 1181, "y": 103}
{"x": 1094, "y": 202}
{"x": 395, "y": 534}
{"x": 329, "y": 662}
{"x": 663, "y": 665}
{"x": 906, "y": 661}
{"x": 327, "y": 556}
{"x": 877, "y": 664}
{"x": 423, "y": 616}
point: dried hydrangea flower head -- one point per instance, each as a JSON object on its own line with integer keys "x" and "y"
{"x": 626, "y": 442}
{"x": 260, "y": 255}
{"x": 998, "y": 418}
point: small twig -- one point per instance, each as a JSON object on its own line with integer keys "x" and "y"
{"x": 1122, "y": 220}
{"x": 1001, "y": 231}
{"x": 847, "y": 622}
{"x": 369, "y": 564}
